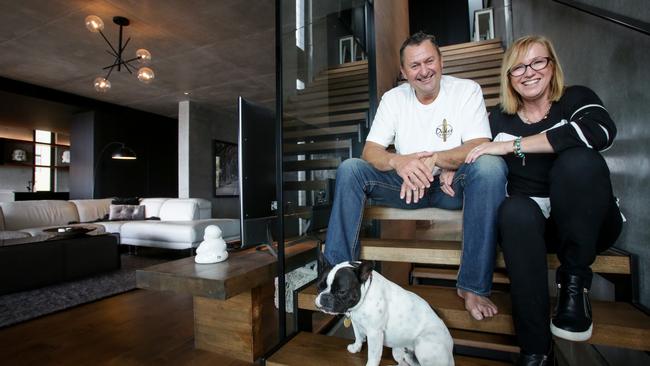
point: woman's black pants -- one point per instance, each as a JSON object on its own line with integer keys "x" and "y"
{"x": 584, "y": 221}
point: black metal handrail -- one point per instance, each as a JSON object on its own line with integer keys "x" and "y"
{"x": 637, "y": 25}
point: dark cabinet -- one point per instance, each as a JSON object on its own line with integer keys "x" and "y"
{"x": 17, "y": 152}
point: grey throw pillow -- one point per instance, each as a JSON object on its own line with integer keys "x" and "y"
{"x": 126, "y": 212}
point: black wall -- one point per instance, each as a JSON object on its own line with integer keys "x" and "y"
{"x": 94, "y": 124}
{"x": 155, "y": 141}
{"x": 446, "y": 19}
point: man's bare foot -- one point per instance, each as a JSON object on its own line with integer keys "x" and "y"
{"x": 479, "y": 307}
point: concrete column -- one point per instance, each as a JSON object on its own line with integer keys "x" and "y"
{"x": 184, "y": 149}
{"x": 198, "y": 127}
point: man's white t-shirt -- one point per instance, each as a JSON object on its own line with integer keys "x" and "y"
{"x": 456, "y": 115}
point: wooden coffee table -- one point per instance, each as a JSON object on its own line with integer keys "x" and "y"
{"x": 234, "y": 312}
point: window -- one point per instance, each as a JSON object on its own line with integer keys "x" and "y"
{"x": 300, "y": 24}
{"x": 43, "y": 161}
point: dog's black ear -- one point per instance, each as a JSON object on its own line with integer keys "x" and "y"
{"x": 364, "y": 270}
{"x": 323, "y": 264}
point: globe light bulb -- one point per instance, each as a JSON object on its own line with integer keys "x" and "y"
{"x": 143, "y": 55}
{"x": 94, "y": 23}
{"x": 102, "y": 85}
{"x": 146, "y": 75}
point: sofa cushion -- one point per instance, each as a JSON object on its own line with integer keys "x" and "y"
{"x": 126, "y": 212}
{"x": 179, "y": 210}
{"x": 112, "y": 226}
{"x": 152, "y": 206}
{"x": 92, "y": 210}
{"x": 205, "y": 207}
{"x": 28, "y": 214}
{"x": 190, "y": 232}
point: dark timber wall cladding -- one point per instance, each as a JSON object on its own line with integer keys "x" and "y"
{"x": 154, "y": 140}
{"x": 612, "y": 60}
{"x": 391, "y": 29}
{"x": 446, "y": 19}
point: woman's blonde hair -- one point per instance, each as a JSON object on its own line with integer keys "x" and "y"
{"x": 511, "y": 100}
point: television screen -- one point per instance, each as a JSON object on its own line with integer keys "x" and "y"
{"x": 257, "y": 185}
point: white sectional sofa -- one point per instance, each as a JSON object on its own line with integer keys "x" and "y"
{"x": 180, "y": 226}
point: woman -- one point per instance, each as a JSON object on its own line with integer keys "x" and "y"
{"x": 559, "y": 193}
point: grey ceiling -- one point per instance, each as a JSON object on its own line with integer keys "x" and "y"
{"x": 213, "y": 49}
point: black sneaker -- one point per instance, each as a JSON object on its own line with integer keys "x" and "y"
{"x": 532, "y": 360}
{"x": 572, "y": 317}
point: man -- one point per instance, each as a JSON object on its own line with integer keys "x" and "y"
{"x": 433, "y": 121}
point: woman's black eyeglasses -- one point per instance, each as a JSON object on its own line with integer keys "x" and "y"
{"x": 537, "y": 65}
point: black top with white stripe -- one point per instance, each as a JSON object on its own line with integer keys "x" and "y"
{"x": 577, "y": 119}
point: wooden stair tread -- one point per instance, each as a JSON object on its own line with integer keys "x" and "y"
{"x": 336, "y": 82}
{"x": 341, "y": 84}
{"x": 476, "y": 48}
{"x": 349, "y": 64}
{"x": 448, "y": 252}
{"x": 450, "y": 70}
{"x": 328, "y": 101}
{"x": 431, "y": 213}
{"x": 491, "y": 102}
{"x": 306, "y": 185}
{"x": 347, "y": 107}
{"x": 339, "y": 70}
{"x": 467, "y": 61}
{"x": 496, "y": 342}
{"x": 320, "y": 350}
{"x": 451, "y": 274}
{"x": 490, "y": 80}
{"x": 307, "y": 94}
{"x": 477, "y": 73}
{"x": 456, "y": 46}
{"x": 343, "y": 74}
{"x": 316, "y": 164}
{"x": 324, "y": 120}
{"x": 460, "y": 56}
{"x": 323, "y": 131}
{"x": 615, "y": 324}
{"x": 317, "y": 146}
{"x": 489, "y": 90}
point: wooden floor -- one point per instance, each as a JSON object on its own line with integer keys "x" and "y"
{"x": 135, "y": 328}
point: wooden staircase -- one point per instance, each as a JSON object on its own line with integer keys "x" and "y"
{"x": 324, "y": 124}
{"x": 431, "y": 250}
{"x": 616, "y": 324}
{"x": 327, "y": 122}
{"x": 479, "y": 61}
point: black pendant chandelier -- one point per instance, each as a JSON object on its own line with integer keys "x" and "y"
{"x": 145, "y": 74}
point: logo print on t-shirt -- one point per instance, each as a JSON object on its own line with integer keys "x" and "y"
{"x": 444, "y": 130}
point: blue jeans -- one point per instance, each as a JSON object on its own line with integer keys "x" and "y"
{"x": 481, "y": 186}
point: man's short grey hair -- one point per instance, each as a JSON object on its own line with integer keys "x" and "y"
{"x": 415, "y": 40}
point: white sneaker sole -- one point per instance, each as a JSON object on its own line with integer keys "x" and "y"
{"x": 572, "y": 336}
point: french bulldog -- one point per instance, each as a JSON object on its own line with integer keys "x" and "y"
{"x": 385, "y": 314}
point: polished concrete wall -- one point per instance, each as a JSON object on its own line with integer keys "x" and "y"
{"x": 14, "y": 178}
{"x": 198, "y": 128}
{"x": 613, "y": 61}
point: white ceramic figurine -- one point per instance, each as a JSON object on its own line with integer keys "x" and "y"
{"x": 213, "y": 248}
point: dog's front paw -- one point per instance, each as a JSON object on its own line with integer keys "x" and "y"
{"x": 354, "y": 347}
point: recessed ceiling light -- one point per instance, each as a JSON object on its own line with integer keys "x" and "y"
{"x": 186, "y": 93}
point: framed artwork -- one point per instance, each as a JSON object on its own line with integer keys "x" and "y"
{"x": 346, "y": 51}
{"x": 226, "y": 169}
{"x": 349, "y": 50}
{"x": 483, "y": 24}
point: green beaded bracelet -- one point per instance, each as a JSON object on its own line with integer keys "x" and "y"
{"x": 516, "y": 149}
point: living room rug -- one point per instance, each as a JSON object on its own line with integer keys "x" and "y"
{"x": 21, "y": 306}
